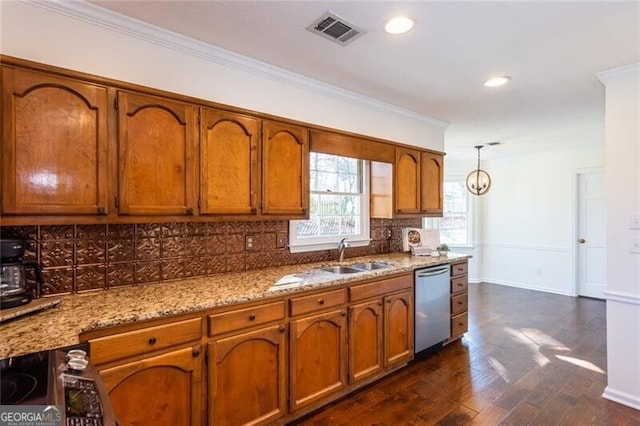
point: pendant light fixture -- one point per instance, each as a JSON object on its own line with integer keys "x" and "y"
{"x": 478, "y": 181}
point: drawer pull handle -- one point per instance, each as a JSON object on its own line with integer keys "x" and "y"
{"x": 460, "y": 284}
{"x": 459, "y": 303}
{"x": 461, "y": 323}
{"x": 153, "y": 341}
{"x": 195, "y": 353}
{"x": 252, "y": 317}
{"x": 321, "y": 301}
{"x": 282, "y": 329}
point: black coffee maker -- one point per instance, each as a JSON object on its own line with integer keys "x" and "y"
{"x": 15, "y": 289}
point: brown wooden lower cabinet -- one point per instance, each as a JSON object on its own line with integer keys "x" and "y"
{"x": 247, "y": 377}
{"x": 163, "y": 389}
{"x": 266, "y": 362}
{"x": 365, "y": 340}
{"x": 318, "y": 368}
{"x": 398, "y": 331}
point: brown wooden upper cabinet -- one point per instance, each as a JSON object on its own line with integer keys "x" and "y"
{"x": 156, "y": 145}
{"x": 407, "y": 181}
{"x": 285, "y": 169}
{"x": 54, "y": 145}
{"x": 228, "y": 163}
{"x": 431, "y": 181}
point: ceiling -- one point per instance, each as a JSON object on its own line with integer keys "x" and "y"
{"x": 552, "y": 51}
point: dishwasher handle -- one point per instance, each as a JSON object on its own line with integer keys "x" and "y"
{"x": 432, "y": 272}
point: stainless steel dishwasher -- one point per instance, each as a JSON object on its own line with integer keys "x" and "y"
{"x": 433, "y": 306}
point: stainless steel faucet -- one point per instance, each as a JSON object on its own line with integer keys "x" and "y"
{"x": 342, "y": 245}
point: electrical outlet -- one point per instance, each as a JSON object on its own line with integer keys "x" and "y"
{"x": 281, "y": 239}
{"x": 634, "y": 223}
{"x": 634, "y": 245}
{"x": 248, "y": 242}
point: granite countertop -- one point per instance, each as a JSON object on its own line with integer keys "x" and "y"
{"x": 76, "y": 313}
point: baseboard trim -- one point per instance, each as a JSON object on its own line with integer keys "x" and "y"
{"x": 622, "y": 297}
{"x": 525, "y": 286}
{"x": 623, "y": 398}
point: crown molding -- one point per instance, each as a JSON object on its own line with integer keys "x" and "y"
{"x": 100, "y": 17}
{"x": 608, "y": 76}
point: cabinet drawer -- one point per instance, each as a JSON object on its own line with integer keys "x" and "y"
{"x": 459, "y": 303}
{"x": 137, "y": 342}
{"x": 315, "y": 302}
{"x": 377, "y": 288}
{"x": 247, "y": 317}
{"x": 459, "y": 324}
{"x": 459, "y": 269}
{"x": 459, "y": 284}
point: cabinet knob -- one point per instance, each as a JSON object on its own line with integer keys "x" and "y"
{"x": 282, "y": 329}
{"x": 252, "y": 317}
{"x": 343, "y": 313}
{"x": 321, "y": 301}
{"x": 196, "y": 353}
{"x": 152, "y": 341}
{"x": 190, "y": 211}
{"x": 101, "y": 211}
{"x": 379, "y": 302}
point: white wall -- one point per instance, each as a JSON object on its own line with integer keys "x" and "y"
{"x": 622, "y": 122}
{"x": 523, "y": 227}
{"x": 80, "y": 37}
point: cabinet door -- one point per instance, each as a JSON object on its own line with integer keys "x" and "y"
{"x": 247, "y": 378}
{"x": 285, "y": 169}
{"x": 228, "y": 163}
{"x": 54, "y": 145}
{"x": 159, "y": 390}
{"x": 318, "y": 357}
{"x": 407, "y": 181}
{"x": 398, "y": 330}
{"x": 365, "y": 340}
{"x": 156, "y": 148}
{"x": 431, "y": 173}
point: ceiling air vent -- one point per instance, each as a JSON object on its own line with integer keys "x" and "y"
{"x": 335, "y": 28}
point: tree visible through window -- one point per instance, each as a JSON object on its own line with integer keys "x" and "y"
{"x": 338, "y": 203}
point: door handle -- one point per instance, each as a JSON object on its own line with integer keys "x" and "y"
{"x": 582, "y": 241}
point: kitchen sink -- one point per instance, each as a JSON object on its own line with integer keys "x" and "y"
{"x": 355, "y": 268}
{"x": 370, "y": 266}
{"x": 341, "y": 269}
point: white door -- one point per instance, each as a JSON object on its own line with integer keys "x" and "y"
{"x": 591, "y": 235}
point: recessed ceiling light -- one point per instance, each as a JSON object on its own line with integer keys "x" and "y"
{"x": 399, "y": 25}
{"x": 497, "y": 81}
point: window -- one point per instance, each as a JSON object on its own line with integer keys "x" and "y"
{"x": 339, "y": 205}
{"x": 456, "y": 223}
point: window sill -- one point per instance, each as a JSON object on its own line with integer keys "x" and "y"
{"x": 326, "y": 246}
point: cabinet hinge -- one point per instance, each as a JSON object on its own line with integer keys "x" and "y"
{"x": 115, "y": 102}
{"x": 117, "y": 201}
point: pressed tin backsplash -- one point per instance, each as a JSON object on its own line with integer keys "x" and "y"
{"x": 78, "y": 258}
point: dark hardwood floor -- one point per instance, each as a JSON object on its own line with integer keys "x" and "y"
{"x": 529, "y": 358}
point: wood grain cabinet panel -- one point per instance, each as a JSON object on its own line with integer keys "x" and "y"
{"x": 398, "y": 331}
{"x": 365, "y": 340}
{"x": 247, "y": 378}
{"x": 459, "y": 299}
{"x": 318, "y": 360}
{"x": 431, "y": 183}
{"x": 156, "y": 145}
{"x": 228, "y": 163}
{"x": 54, "y": 145}
{"x": 407, "y": 181}
{"x": 159, "y": 390}
{"x": 285, "y": 169}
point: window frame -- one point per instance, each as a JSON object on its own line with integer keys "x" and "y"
{"x": 434, "y": 222}
{"x": 301, "y": 245}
